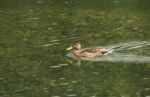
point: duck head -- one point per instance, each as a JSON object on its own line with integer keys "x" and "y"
{"x": 75, "y": 46}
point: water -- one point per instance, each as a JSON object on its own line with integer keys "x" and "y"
{"x": 35, "y": 33}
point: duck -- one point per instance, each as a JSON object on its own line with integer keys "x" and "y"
{"x": 87, "y": 52}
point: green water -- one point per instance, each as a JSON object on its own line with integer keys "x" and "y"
{"x": 34, "y": 35}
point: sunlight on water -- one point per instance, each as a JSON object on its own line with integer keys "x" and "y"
{"x": 121, "y": 56}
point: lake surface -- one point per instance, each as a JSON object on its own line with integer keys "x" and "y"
{"x": 34, "y": 35}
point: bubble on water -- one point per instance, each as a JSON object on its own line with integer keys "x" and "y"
{"x": 93, "y": 96}
{"x": 39, "y": 2}
{"x": 66, "y": 2}
{"x": 63, "y": 64}
{"x": 45, "y": 90}
{"x": 140, "y": 30}
{"x": 129, "y": 21}
{"x": 54, "y": 40}
{"x": 1, "y": 11}
{"x": 50, "y": 44}
{"x": 116, "y": 1}
{"x": 62, "y": 78}
{"x": 124, "y": 96}
{"x": 55, "y": 66}
{"x": 1, "y": 78}
{"x": 70, "y": 90}
{"x": 71, "y": 95}
{"x": 120, "y": 28}
{"x": 74, "y": 81}
{"x": 96, "y": 73}
{"x": 147, "y": 88}
{"x": 33, "y": 18}
{"x": 31, "y": 10}
{"x": 49, "y": 28}
{"x": 73, "y": 34}
{"x": 58, "y": 66}
{"x": 64, "y": 84}
{"x": 54, "y": 23}
{"x": 135, "y": 28}
{"x": 34, "y": 75}
{"x": 55, "y": 96}
{"x": 18, "y": 94}
{"x": 146, "y": 78}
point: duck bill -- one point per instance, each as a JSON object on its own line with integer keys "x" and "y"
{"x": 69, "y": 48}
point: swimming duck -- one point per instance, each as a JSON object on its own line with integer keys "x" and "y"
{"x": 88, "y": 52}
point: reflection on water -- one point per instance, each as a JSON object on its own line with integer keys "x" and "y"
{"x": 122, "y": 55}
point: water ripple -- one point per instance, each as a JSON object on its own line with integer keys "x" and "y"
{"x": 50, "y": 44}
{"x": 62, "y": 84}
{"x": 55, "y": 96}
{"x": 71, "y": 95}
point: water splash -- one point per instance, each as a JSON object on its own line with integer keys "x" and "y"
{"x": 119, "y": 54}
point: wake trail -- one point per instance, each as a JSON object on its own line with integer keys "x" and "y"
{"x": 129, "y": 45}
{"x": 123, "y": 56}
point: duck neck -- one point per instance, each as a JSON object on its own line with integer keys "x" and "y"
{"x": 77, "y": 52}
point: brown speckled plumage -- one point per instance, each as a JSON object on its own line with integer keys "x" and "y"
{"x": 89, "y": 52}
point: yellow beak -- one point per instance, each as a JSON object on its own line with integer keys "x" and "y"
{"x": 69, "y": 48}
